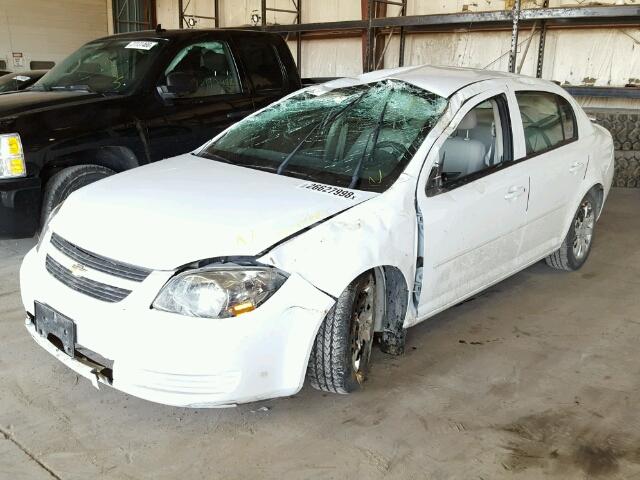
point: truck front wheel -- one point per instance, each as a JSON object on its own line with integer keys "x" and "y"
{"x": 63, "y": 183}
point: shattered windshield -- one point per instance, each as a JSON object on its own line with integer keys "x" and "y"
{"x": 109, "y": 66}
{"x": 359, "y": 137}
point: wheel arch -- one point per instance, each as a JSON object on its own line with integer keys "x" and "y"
{"x": 116, "y": 158}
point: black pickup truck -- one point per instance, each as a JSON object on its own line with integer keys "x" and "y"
{"x": 126, "y": 100}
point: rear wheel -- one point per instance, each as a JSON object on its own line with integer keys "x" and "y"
{"x": 341, "y": 353}
{"x": 575, "y": 248}
{"x": 63, "y": 183}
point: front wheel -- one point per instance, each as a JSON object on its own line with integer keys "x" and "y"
{"x": 576, "y": 246}
{"x": 339, "y": 360}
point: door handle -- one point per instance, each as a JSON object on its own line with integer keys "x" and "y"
{"x": 514, "y": 192}
{"x": 576, "y": 166}
{"x": 239, "y": 114}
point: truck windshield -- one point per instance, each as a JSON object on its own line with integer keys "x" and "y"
{"x": 358, "y": 137}
{"x": 109, "y": 66}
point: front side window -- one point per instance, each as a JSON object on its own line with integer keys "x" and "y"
{"x": 210, "y": 64}
{"x": 546, "y": 120}
{"x": 358, "y": 137}
{"x": 109, "y": 66}
{"x": 481, "y": 140}
{"x": 262, "y": 64}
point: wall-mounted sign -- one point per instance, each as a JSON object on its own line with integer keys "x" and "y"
{"x": 18, "y": 59}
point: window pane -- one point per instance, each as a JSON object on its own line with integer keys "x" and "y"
{"x": 476, "y": 144}
{"x": 541, "y": 120}
{"x": 568, "y": 121}
{"x": 111, "y": 66}
{"x": 357, "y": 137}
{"x": 262, "y": 64}
{"x": 209, "y": 63}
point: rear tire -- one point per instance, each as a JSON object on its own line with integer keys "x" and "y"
{"x": 576, "y": 246}
{"x": 63, "y": 183}
{"x": 339, "y": 360}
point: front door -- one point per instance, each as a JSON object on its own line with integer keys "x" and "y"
{"x": 473, "y": 222}
{"x": 185, "y": 122}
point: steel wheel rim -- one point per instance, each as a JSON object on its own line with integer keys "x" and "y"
{"x": 583, "y": 230}
{"x": 362, "y": 324}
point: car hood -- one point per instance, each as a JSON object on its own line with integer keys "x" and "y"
{"x": 187, "y": 208}
{"x": 13, "y": 103}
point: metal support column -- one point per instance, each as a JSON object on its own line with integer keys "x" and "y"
{"x": 515, "y": 14}
{"x": 373, "y": 50}
{"x": 541, "y": 44}
{"x": 403, "y": 12}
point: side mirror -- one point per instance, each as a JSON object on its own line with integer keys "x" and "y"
{"x": 181, "y": 83}
{"x": 437, "y": 179}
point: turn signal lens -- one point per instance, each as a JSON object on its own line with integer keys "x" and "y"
{"x": 241, "y": 308}
{"x": 11, "y": 156}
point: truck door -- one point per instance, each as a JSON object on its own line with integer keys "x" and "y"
{"x": 184, "y": 122}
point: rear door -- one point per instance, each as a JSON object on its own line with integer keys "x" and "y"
{"x": 181, "y": 124}
{"x": 548, "y": 128}
{"x": 473, "y": 225}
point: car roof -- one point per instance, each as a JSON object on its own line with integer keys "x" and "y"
{"x": 441, "y": 80}
{"x": 179, "y": 34}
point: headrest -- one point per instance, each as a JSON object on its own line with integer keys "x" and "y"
{"x": 215, "y": 61}
{"x": 469, "y": 121}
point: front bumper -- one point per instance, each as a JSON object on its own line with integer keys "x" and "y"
{"x": 19, "y": 207}
{"x": 183, "y": 361}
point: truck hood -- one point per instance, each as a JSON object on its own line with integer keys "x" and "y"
{"x": 187, "y": 208}
{"x": 14, "y": 103}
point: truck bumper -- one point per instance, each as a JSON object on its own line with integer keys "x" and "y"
{"x": 19, "y": 207}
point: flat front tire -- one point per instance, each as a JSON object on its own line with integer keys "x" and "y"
{"x": 65, "y": 182}
{"x": 576, "y": 246}
{"x": 340, "y": 356}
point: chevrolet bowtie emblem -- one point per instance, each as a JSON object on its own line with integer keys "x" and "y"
{"x": 77, "y": 269}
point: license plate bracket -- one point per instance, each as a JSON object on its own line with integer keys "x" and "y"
{"x": 51, "y": 322}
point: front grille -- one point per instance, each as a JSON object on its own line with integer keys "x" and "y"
{"x": 101, "y": 291}
{"x": 98, "y": 262}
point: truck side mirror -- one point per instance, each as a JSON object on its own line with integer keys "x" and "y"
{"x": 181, "y": 83}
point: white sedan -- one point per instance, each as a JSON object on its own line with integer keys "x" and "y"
{"x": 280, "y": 248}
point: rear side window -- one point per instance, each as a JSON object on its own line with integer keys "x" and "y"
{"x": 262, "y": 64}
{"x": 547, "y": 119}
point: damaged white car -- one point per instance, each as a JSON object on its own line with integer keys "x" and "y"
{"x": 279, "y": 249}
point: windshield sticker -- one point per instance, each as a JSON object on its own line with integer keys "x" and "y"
{"x": 22, "y": 78}
{"x": 140, "y": 45}
{"x": 328, "y": 189}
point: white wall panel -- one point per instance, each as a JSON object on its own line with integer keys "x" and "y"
{"x": 49, "y": 30}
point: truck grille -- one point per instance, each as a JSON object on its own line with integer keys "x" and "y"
{"x": 101, "y": 291}
{"x": 98, "y": 262}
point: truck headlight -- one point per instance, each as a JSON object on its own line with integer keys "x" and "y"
{"x": 219, "y": 292}
{"x": 11, "y": 156}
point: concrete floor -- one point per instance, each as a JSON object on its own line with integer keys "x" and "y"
{"x": 538, "y": 376}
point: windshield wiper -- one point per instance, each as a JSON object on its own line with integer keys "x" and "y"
{"x": 374, "y": 135}
{"x": 324, "y": 122}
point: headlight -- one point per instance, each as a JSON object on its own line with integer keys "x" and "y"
{"x": 219, "y": 292}
{"x": 45, "y": 227}
{"x": 11, "y": 156}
